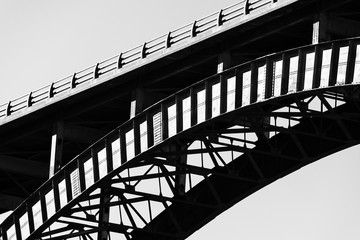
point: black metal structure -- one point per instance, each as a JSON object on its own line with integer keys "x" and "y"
{"x": 207, "y": 144}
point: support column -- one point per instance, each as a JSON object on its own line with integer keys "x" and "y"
{"x": 320, "y": 29}
{"x": 57, "y": 142}
{"x": 329, "y": 26}
{"x": 137, "y": 101}
{"x": 181, "y": 159}
{"x": 180, "y": 179}
{"x": 224, "y": 61}
{"x": 104, "y": 215}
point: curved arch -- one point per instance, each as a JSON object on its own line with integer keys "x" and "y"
{"x": 196, "y": 153}
{"x": 320, "y": 195}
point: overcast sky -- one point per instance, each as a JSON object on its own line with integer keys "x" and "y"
{"x": 43, "y": 41}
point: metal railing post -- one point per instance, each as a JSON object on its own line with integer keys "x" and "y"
{"x": 246, "y": 7}
{"x": 143, "y": 51}
{"x": 96, "y": 71}
{"x": 119, "y": 61}
{"x": 219, "y": 18}
{"x": 73, "y": 81}
{"x": 29, "y": 100}
{"x": 168, "y": 40}
{"x": 193, "y": 30}
{"x": 8, "y": 109}
{"x": 51, "y": 90}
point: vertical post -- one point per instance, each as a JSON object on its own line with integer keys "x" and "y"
{"x": 104, "y": 215}
{"x": 285, "y": 73}
{"x": 29, "y": 100}
{"x": 96, "y": 71}
{"x": 119, "y": 61}
{"x": 238, "y": 88}
{"x": 143, "y": 51}
{"x": 219, "y": 19}
{"x": 269, "y": 78}
{"x": 43, "y": 206}
{"x": 317, "y": 67}
{"x": 320, "y": 29}
{"x": 136, "y": 127}
{"x": 246, "y": 7}
{"x": 69, "y": 194}
{"x": 8, "y": 109}
{"x": 150, "y": 129}
{"x": 301, "y": 70}
{"x": 109, "y": 156}
{"x": 95, "y": 160}
{"x": 223, "y": 93}
{"x": 81, "y": 175}
{"x": 123, "y": 155}
{"x": 55, "y": 186}
{"x": 315, "y": 34}
{"x": 30, "y": 218}
{"x": 180, "y": 179}
{"x": 164, "y": 121}
{"x": 51, "y": 91}
{"x": 168, "y": 40}
{"x": 180, "y": 161}
{"x": 179, "y": 114}
{"x": 254, "y": 83}
{"x": 193, "y": 105}
{"x": 73, "y": 81}
{"x": 3, "y": 234}
{"x": 57, "y": 142}
{"x": 17, "y": 226}
{"x": 351, "y": 62}
{"x": 137, "y": 101}
{"x": 208, "y": 100}
{"x": 224, "y": 61}
{"x": 193, "y": 30}
{"x": 334, "y": 63}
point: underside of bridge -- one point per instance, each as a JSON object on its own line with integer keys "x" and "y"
{"x": 39, "y": 143}
{"x": 80, "y": 120}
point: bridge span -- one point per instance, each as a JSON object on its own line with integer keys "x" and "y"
{"x": 200, "y": 125}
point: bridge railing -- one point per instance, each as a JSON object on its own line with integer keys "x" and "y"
{"x": 61, "y": 86}
{"x": 231, "y": 14}
{"x": 305, "y": 69}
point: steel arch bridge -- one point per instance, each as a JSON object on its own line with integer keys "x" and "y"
{"x": 175, "y": 166}
{"x": 179, "y": 163}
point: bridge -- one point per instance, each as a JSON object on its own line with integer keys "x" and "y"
{"x": 184, "y": 126}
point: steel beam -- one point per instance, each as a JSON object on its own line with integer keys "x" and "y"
{"x": 137, "y": 101}
{"x": 57, "y": 144}
{"x": 81, "y": 134}
{"x": 23, "y": 166}
{"x": 8, "y": 202}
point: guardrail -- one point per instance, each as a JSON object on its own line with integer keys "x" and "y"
{"x": 307, "y": 68}
{"x": 224, "y": 16}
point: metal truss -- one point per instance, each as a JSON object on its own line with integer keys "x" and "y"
{"x": 147, "y": 189}
{"x": 176, "y": 166}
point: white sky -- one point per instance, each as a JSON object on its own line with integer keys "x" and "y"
{"x": 42, "y": 41}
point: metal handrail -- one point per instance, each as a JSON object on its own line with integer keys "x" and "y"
{"x": 133, "y": 55}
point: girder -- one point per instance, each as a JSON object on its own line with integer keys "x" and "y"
{"x": 23, "y": 166}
